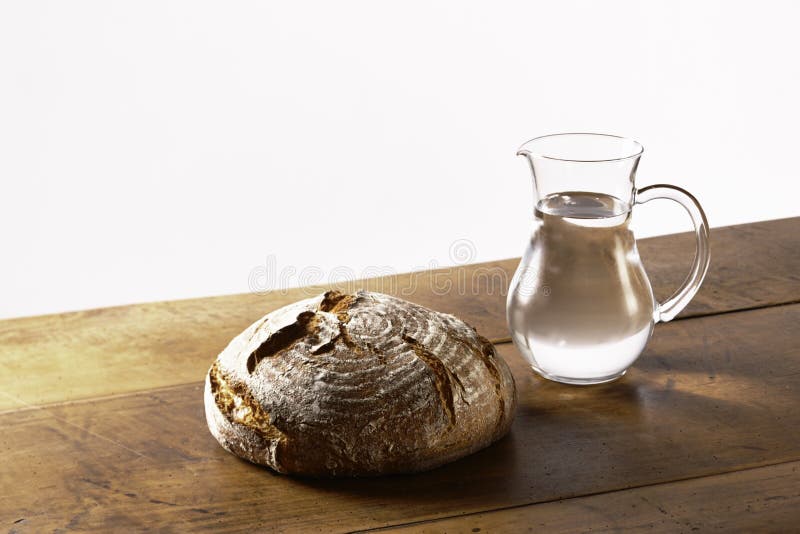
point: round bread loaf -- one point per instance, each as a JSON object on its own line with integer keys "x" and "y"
{"x": 356, "y": 385}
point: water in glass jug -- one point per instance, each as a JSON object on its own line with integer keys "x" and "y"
{"x": 580, "y": 307}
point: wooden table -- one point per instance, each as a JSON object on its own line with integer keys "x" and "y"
{"x": 102, "y": 425}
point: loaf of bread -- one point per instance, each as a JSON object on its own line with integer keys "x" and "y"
{"x": 358, "y": 385}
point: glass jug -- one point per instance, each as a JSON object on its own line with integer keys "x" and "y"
{"x": 580, "y": 306}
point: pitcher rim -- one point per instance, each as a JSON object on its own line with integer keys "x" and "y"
{"x": 639, "y": 148}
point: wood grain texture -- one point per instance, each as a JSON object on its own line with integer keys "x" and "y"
{"x": 765, "y": 499}
{"x": 710, "y": 395}
{"x": 752, "y": 266}
{"x": 115, "y": 350}
{"x": 133, "y": 348}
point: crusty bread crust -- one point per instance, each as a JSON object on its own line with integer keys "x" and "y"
{"x": 358, "y": 385}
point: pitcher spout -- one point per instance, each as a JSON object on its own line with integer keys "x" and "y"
{"x": 583, "y": 162}
{"x": 528, "y": 155}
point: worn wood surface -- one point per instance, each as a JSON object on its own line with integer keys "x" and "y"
{"x": 752, "y": 266}
{"x": 102, "y": 420}
{"x": 710, "y": 395}
{"x": 764, "y": 499}
{"x": 111, "y": 351}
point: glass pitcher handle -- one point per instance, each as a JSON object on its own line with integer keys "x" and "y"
{"x": 667, "y": 310}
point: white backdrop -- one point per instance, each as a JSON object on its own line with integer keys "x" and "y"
{"x": 157, "y": 150}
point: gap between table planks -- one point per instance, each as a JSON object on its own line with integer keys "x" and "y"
{"x": 125, "y": 349}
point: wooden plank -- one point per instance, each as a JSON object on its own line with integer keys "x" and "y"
{"x": 765, "y": 499}
{"x": 752, "y": 266}
{"x": 710, "y": 395}
{"x": 132, "y": 348}
{"x": 115, "y": 350}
